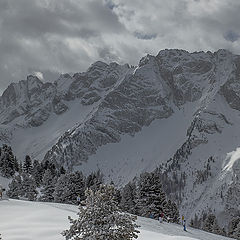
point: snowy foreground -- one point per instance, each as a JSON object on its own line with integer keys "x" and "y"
{"x": 24, "y": 220}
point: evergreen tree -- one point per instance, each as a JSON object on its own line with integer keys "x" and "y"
{"x": 233, "y": 226}
{"x": 171, "y": 211}
{"x": 37, "y": 172}
{"x": 22, "y": 186}
{"x": 128, "y": 200}
{"x": 236, "y": 232}
{"x": 28, "y": 187}
{"x": 8, "y": 163}
{"x": 77, "y": 185}
{"x": 210, "y": 224}
{"x": 61, "y": 189}
{"x": 101, "y": 219}
{"x": 27, "y": 165}
{"x": 68, "y": 187}
{"x": 216, "y": 229}
{"x": 20, "y": 168}
{"x": 151, "y": 198}
{"x": 15, "y": 187}
{"x": 48, "y": 187}
{"x": 175, "y": 213}
{"x": 94, "y": 180}
{"x": 117, "y": 194}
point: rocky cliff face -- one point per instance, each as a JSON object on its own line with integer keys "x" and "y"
{"x": 178, "y": 109}
{"x": 151, "y": 91}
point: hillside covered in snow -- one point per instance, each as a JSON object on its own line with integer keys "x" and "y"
{"x": 24, "y": 220}
{"x": 178, "y": 111}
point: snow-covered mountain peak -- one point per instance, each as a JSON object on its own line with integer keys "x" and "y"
{"x": 31, "y": 79}
{"x": 176, "y": 109}
{"x": 97, "y": 65}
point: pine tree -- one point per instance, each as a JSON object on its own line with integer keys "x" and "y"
{"x": 236, "y": 232}
{"x": 77, "y": 184}
{"x": 94, "y": 180}
{"x": 117, "y": 194}
{"x": 128, "y": 200}
{"x": 48, "y": 187}
{"x": 216, "y": 229}
{"x": 8, "y": 163}
{"x": 210, "y": 224}
{"x": 20, "y": 168}
{"x": 171, "y": 211}
{"x": 233, "y": 226}
{"x": 68, "y": 187}
{"x": 151, "y": 198}
{"x": 101, "y": 218}
{"x": 61, "y": 189}
{"x": 27, "y": 165}
{"x": 37, "y": 172}
{"x": 15, "y": 187}
{"x": 28, "y": 187}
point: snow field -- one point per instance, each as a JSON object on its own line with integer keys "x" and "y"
{"x": 24, "y": 220}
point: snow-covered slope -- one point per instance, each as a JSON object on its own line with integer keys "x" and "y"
{"x": 24, "y": 220}
{"x": 178, "y": 109}
{"x": 34, "y": 115}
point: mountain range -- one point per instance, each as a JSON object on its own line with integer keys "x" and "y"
{"x": 178, "y": 111}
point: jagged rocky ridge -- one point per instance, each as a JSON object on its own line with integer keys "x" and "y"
{"x": 196, "y": 93}
{"x": 150, "y": 92}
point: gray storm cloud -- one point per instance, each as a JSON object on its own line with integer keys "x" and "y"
{"x": 55, "y": 36}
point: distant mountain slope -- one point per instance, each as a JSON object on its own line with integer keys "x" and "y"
{"x": 35, "y": 114}
{"x": 177, "y": 110}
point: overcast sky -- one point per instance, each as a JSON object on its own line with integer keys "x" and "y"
{"x": 47, "y": 37}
